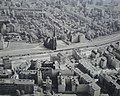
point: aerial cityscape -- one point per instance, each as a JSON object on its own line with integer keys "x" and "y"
{"x": 59, "y": 47}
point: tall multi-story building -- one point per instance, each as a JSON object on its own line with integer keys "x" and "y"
{"x": 10, "y": 86}
{"x": 109, "y": 84}
{"x": 72, "y": 84}
{"x": 35, "y": 75}
{"x": 75, "y": 38}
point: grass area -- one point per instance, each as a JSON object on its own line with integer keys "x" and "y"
{"x": 20, "y": 45}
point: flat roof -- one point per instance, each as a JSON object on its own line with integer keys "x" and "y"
{"x": 16, "y": 81}
{"x": 87, "y": 78}
{"x": 28, "y": 72}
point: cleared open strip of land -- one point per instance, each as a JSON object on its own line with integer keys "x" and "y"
{"x": 34, "y": 51}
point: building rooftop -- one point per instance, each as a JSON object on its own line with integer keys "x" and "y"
{"x": 16, "y": 81}
{"x": 28, "y": 72}
{"x": 104, "y": 95}
{"x": 88, "y": 65}
{"x": 87, "y": 78}
{"x": 109, "y": 79}
{"x": 94, "y": 86}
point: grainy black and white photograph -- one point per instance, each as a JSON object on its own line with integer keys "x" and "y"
{"x": 59, "y": 47}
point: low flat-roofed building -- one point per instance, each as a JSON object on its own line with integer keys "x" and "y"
{"x": 116, "y": 45}
{"x": 94, "y": 54}
{"x": 23, "y": 66}
{"x": 61, "y": 58}
{"x": 101, "y": 51}
{"x": 76, "y": 54}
